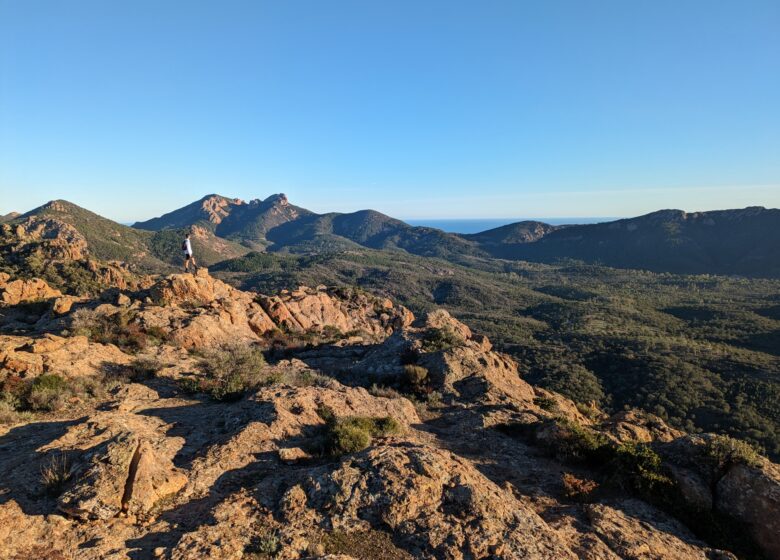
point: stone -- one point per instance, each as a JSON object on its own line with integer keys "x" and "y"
{"x": 15, "y": 292}
{"x": 99, "y": 490}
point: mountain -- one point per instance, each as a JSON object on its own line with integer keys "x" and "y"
{"x": 8, "y": 217}
{"x": 277, "y": 225}
{"x": 368, "y": 228}
{"x": 207, "y": 212}
{"x": 739, "y": 242}
{"x": 231, "y": 218}
{"x": 106, "y": 240}
{"x": 736, "y": 242}
{"x": 506, "y": 237}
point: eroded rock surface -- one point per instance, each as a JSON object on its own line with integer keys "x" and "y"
{"x": 151, "y": 470}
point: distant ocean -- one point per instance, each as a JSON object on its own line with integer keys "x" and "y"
{"x": 476, "y": 225}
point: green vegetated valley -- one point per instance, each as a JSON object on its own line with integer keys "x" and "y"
{"x": 702, "y": 352}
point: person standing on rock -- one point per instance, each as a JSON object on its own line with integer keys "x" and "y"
{"x": 189, "y": 258}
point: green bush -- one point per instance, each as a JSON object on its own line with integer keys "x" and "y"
{"x": 578, "y": 444}
{"x": 416, "y": 376}
{"x": 546, "y": 403}
{"x": 637, "y": 466}
{"x": 351, "y": 434}
{"x": 47, "y": 392}
{"x": 726, "y": 451}
{"x": 117, "y": 328}
{"x": 438, "y": 339}
{"x": 264, "y": 545}
{"x": 347, "y": 438}
{"x": 230, "y": 371}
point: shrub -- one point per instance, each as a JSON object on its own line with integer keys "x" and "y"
{"x": 637, "y": 466}
{"x": 142, "y": 369}
{"x": 230, "y": 371}
{"x": 438, "y": 339}
{"x": 351, "y": 434}
{"x": 416, "y": 376}
{"x": 55, "y": 473}
{"x": 12, "y": 391}
{"x": 384, "y": 391}
{"x": 347, "y": 438}
{"x": 47, "y": 392}
{"x": 726, "y": 451}
{"x": 267, "y": 544}
{"x": 577, "y": 443}
{"x": 8, "y": 413}
{"x": 546, "y": 403}
{"x": 116, "y": 328}
{"x": 577, "y": 488}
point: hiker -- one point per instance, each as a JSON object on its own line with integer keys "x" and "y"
{"x": 186, "y": 246}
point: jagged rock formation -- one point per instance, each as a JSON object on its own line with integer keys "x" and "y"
{"x": 72, "y": 356}
{"x": 225, "y": 313}
{"x": 150, "y": 470}
{"x": 45, "y": 244}
{"x": 14, "y": 292}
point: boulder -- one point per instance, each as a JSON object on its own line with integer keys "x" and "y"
{"x": 72, "y": 356}
{"x": 752, "y": 495}
{"x": 99, "y": 490}
{"x": 432, "y": 501}
{"x": 14, "y": 292}
{"x": 637, "y": 531}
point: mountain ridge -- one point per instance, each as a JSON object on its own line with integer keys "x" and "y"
{"x": 734, "y": 241}
{"x": 727, "y": 242}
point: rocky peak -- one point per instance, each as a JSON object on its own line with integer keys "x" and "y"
{"x": 277, "y": 199}
{"x": 216, "y": 208}
{"x": 50, "y": 237}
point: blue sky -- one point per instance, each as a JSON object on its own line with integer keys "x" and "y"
{"x": 485, "y": 108}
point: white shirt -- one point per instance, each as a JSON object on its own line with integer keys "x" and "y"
{"x": 188, "y": 249}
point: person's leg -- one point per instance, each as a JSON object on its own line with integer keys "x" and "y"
{"x": 194, "y": 263}
{"x": 186, "y": 263}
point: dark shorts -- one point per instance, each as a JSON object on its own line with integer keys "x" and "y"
{"x": 187, "y": 256}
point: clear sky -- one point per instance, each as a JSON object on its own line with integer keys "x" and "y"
{"x": 484, "y": 108}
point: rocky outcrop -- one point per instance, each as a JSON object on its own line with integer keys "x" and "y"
{"x": 73, "y": 356}
{"x": 199, "y": 310}
{"x": 48, "y": 237}
{"x": 153, "y": 470}
{"x": 637, "y": 531}
{"x": 438, "y": 504}
{"x": 121, "y": 475}
{"x": 639, "y": 426}
{"x": 751, "y": 494}
{"x": 14, "y": 292}
{"x": 99, "y": 491}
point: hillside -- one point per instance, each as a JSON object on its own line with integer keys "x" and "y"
{"x": 741, "y": 242}
{"x": 191, "y": 420}
{"x": 8, "y": 217}
{"x": 107, "y": 240}
{"x": 512, "y": 234}
{"x": 596, "y": 334}
{"x": 207, "y": 212}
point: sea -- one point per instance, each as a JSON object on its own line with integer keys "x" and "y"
{"x": 476, "y": 225}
